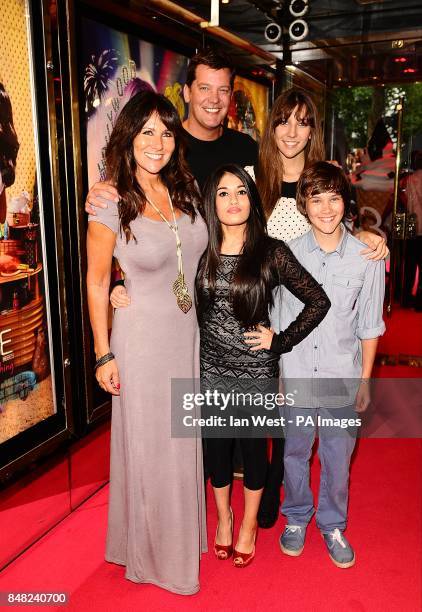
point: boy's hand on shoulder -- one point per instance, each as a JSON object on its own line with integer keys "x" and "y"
{"x": 363, "y": 397}
{"x": 377, "y": 246}
{"x": 260, "y": 338}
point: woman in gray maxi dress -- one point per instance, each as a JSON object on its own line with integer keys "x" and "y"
{"x": 156, "y": 519}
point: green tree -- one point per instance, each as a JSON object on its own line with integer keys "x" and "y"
{"x": 412, "y": 114}
{"x": 360, "y": 107}
{"x": 353, "y": 105}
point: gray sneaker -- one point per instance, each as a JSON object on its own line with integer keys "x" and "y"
{"x": 339, "y": 549}
{"x": 292, "y": 540}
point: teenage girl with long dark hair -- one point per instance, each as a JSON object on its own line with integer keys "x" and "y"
{"x": 236, "y": 276}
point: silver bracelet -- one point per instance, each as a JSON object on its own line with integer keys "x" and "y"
{"x": 104, "y": 359}
{"x": 365, "y": 381}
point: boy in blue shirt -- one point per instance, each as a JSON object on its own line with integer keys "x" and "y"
{"x": 340, "y": 351}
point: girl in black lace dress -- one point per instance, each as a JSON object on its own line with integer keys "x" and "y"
{"x": 236, "y": 276}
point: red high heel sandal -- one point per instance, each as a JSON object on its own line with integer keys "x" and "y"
{"x": 246, "y": 557}
{"x": 219, "y": 549}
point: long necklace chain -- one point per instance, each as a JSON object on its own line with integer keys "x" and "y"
{"x": 180, "y": 289}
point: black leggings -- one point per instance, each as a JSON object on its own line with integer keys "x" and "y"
{"x": 219, "y": 461}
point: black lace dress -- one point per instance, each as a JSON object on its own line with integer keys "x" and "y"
{"x": 228, "y": 365}
{"x": 224, "y": 352}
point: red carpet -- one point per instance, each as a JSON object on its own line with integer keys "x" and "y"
{"x": 385, "y": 528}
{"x": 403, "y": 337}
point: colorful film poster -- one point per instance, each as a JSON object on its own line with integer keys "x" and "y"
{"x": 249, "y": 107}
{"x": 27, "y": 394}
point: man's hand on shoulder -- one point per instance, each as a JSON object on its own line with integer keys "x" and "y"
{"x": 99, "y": 192}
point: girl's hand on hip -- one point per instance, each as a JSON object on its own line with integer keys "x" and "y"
{"x": 107, "y": 376}
{"x": 260, "y": 338}
{"x": 119, "y": 297}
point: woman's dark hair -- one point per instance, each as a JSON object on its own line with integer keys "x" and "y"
{"x": 269, "y": 177}
{"x": 121, "y": 164}
{"x": 323, "y": 177}
{"x": 216, "y": 60}
{"x": 250, "y": 290}
{"x": 9, "y": 145}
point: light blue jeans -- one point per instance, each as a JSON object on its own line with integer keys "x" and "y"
{"x": 335, "y": 450}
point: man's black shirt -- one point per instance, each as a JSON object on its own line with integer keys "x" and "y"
{"x": 204, "y": 156}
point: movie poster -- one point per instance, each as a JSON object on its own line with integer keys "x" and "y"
{"x": 249, "y": 107}
{"x": 26, "y": 383}
{"x": 116, "y": 66}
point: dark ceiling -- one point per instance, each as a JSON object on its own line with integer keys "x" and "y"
{"x": 350, "y": 41}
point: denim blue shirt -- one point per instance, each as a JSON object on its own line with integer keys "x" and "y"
{"x": 355, "y": 287}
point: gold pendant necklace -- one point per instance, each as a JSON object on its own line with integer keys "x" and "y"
{"x": 180, "y": 288}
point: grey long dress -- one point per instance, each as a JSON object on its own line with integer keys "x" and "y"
{"x": 156, "y": 518}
